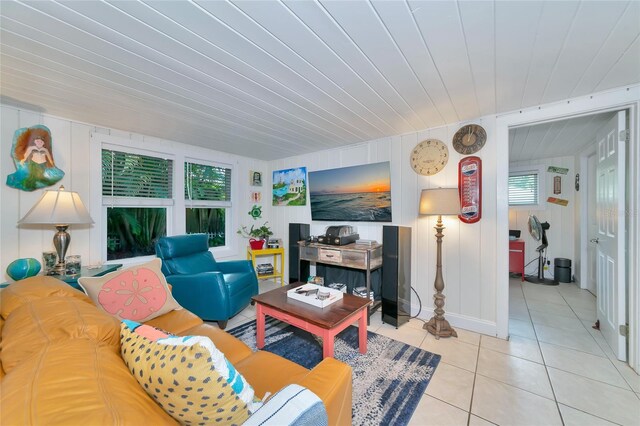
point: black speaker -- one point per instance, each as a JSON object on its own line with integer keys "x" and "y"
{"x": 396, "y": 275}
{"x": 297, "y": 232}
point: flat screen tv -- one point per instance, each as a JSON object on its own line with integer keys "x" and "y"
{"x": 353, "y": 194}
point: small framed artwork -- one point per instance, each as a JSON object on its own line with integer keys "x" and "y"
{"x": 557, "y": 185}
{"x": 255, "y": 178}
{"x": 255, "y": 197}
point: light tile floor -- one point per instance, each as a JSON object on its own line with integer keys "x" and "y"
{"x": 554, "y": 370}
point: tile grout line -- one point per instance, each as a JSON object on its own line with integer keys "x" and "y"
{"x": 473, "y": 386}
{"x": 546, "y": 369}
{"x": 569, "y": 372}
{"x": 598, "y": 344}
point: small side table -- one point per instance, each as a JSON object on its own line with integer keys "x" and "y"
{"x": 277, "y": 273}
{"x": 72, "y": 280}
{"x": 516, "y": 257}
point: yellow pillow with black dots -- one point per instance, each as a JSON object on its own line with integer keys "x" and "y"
{"x": 187, "y": 376}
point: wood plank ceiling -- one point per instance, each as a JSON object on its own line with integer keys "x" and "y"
{"x": 555, "y": 139}
{"x": 269, "y": 79}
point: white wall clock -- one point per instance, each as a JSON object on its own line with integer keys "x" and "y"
{"x": 429, "y": 157}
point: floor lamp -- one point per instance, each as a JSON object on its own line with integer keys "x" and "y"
{"x": 60, "y": 208}
{"x": 440, "y": 201}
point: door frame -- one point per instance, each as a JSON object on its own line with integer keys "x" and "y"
{"x": 583, "y": 238}
{"x": 618, "y": 99}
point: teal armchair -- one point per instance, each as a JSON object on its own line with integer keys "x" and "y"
{"x": 215, "y": 291}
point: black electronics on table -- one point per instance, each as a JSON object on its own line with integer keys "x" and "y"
{"x": 297, "y": 232}
{"x": 396, "y": 275}
{"x": 339, "y": 235}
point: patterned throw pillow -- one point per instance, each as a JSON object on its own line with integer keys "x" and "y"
{"x": 137, "y": 293}
{"x": 187, "y": 376}
{"x": 291, "y": 405}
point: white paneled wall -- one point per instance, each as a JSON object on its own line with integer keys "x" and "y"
{"x": 70, "y": 142}
{"x": 468, "y": 249}
{"x": 562, "y": 232}
{"x": 71, "y": 152}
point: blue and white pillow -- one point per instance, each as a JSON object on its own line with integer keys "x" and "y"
{"x": 291, "y": 405}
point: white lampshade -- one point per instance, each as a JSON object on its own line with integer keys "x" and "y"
{"x": 58, "y": 208}
{"x": 439, "y": 201}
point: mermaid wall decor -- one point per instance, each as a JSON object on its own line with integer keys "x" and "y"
{"x": 33, "y": 157}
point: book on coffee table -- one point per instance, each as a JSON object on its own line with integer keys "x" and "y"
{"x": 315, "y": 295}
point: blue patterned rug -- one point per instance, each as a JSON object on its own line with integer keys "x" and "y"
{"x": 388, "y": 381}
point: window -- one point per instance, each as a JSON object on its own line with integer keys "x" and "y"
{"x": 207, "y": 193}
{"x": 136, "y": 190}
{"x": 524, "y": 188}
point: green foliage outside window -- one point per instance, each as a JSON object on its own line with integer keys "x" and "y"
{"x": 206, "y": 185}
{"x": 128, "y": 177}
{"x": 207, "y": 221}
{"x": 144, "y": 184}
{"x": 134, "y": 231}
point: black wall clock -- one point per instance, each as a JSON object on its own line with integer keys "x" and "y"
{"x": 469, "y": 139}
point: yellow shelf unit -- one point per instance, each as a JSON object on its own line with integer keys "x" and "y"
{"x": 277, "y": 272}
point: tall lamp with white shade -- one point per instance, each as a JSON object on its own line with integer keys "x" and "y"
{"x": 439, "y": 201}
{"x": 60, "y": 208}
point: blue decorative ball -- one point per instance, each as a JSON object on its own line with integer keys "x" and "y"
{"x": 23, "y": 268}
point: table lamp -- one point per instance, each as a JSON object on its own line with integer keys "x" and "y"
{"x": 60, "y": 208}
{"x": 440, "y": 201}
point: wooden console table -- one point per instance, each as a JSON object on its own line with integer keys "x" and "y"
{"x": 366, "y": 258}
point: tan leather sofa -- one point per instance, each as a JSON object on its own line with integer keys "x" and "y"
{"x": 61, "y": 364}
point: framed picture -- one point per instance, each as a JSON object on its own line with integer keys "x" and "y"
{"x": 290, "y": 187}
{"x": 255, "y": 178}
{"x": 354, "y": 194}
{"x": 255, "y": 197}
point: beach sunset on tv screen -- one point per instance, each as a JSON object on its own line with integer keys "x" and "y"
{"x": 355, "y": 194}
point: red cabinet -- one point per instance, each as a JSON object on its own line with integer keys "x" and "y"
{"x": 516, "y": 257}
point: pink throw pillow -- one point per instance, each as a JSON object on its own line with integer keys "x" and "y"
{"x": 138, "y": 293}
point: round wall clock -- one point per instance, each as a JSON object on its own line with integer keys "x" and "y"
{"x": 469, "y": 139}
{"x": 429, "y": 157}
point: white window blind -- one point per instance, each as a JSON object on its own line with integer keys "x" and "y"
{"x": 523, "y": 189}
{"x": 134, "y": 175}
{"x": 207, "y": 183}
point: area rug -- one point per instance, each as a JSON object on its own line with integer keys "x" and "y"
{"x": 388, "y": 381}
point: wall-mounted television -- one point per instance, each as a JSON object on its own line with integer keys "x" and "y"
{"x": 353, "y": 194}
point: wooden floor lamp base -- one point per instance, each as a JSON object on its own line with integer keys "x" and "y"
{"x": 439, "y": 328}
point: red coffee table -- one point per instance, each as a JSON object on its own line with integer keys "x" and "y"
{"x": 326, "y": 323}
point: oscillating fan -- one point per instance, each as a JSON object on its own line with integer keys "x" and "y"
{"x": 539, "y": 232}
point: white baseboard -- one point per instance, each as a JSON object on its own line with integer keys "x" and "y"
{"x": 456, "y": 320}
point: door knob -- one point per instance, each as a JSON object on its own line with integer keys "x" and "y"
{"x": 595, "y": 240}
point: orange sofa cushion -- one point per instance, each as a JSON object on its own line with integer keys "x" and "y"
{"x": 39, "y": 322}
{"x": 38, "y": 287}
{"x": 76, "y": 381}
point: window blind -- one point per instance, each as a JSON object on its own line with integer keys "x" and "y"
{"x": 135, "y": 175}
{"x": 523, "y": 189}
{"x": 206, "y": 183}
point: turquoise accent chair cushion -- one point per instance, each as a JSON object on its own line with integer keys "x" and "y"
{"x": 215, "y": 291}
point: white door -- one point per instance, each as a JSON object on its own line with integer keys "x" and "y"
{"x": 610, "y": 237}
{"x": 592, "y": 224}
